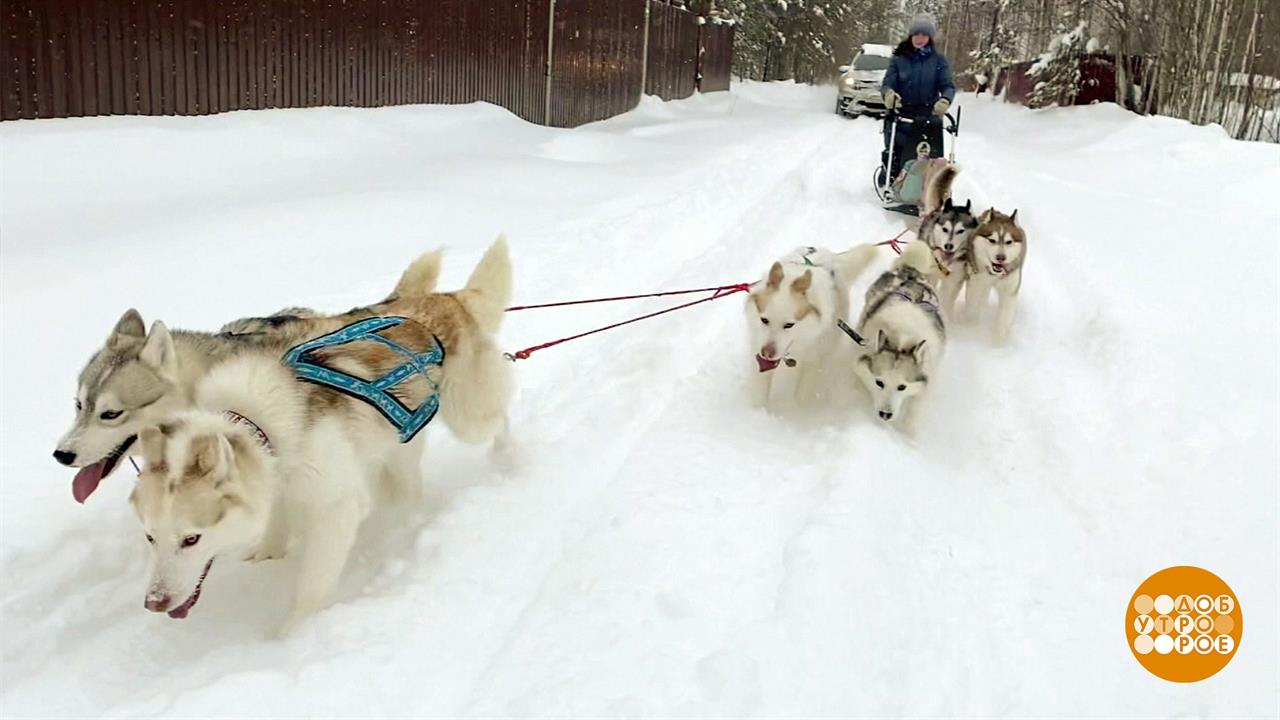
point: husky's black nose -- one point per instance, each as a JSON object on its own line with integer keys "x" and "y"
{"x": 948, "y": 247}
{"x": 64, "y": 457}
{"x": 886, "y": 415}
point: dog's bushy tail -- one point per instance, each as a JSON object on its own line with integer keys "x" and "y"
{"x": 853, "y": 262}
{"x": 488, "y": 290}
{"x": 939, "y": 188}
{"x": 919, "y": 257}
{"x": 419, "y": 279}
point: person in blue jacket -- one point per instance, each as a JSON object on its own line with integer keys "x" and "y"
{"x": 918, "y": 84}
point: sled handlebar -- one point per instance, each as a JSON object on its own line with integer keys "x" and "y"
{"x": 952, "y": 127}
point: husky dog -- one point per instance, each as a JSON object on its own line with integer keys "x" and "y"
{"x": 139, "y": 378}
{"x": 904, "y": 327}
{"x": 263, "y": 460}
{"x": 791, "y": 322}
{"x": 949, "y": 233}
{"x": 995, "y": 261}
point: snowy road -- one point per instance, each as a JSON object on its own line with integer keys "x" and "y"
{"x": 661, "y": 549}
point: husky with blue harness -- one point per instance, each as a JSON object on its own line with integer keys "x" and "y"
{"x": 282, "y": 433}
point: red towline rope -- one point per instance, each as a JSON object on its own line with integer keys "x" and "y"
{"x": 717, "y": 293}
{"x": 893, "y": 241}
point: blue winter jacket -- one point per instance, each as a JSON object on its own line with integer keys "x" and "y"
{"x": 920, "y": 77}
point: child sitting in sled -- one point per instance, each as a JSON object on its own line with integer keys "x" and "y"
{"x": 909, "y": 185}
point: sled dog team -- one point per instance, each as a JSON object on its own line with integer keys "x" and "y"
{"x": 243, "y": 461}
{"x": 796, "y": 312}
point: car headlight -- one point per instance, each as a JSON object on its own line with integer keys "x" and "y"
{"x": 848, "y": 82}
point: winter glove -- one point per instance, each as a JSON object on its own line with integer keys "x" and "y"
{"x": 940, "y": 107}
{"x": 892, "y": 100}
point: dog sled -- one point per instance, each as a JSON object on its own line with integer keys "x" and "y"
{"x": 899, "y": 182}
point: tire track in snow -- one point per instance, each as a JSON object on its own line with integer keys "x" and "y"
{"x": 790, "y": 200}
{"x": 765, "y": 204}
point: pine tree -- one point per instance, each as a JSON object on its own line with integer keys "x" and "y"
{"x": 1057, "y": 72}
{"x": 998, "y": 47}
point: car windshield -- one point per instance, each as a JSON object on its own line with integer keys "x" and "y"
{"x": 871, "y": 62}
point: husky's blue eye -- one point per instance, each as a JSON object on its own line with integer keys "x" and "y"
{"x": 110, "y": 415}
{"x": 764, "y": 320}
{"x": 880, "y": 384}
{"x": 190, "y": 540}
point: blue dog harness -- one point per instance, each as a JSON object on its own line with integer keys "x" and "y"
{"x": 375, "y": 392}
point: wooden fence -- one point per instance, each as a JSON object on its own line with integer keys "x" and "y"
{"x": 558, "y": 62}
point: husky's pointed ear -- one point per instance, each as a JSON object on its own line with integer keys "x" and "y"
{"x": 882, "y": 341}
{"x": 211, "y": 456}
{"x": 152, "y": 441}
{"x": 968, "y": 206}
{"x": 158, "y": 352}
{"x": 1014, "y": 217}
{"x": 948, "y": 205}
{"x": 129, "y": 326}
{"x": 775, "y": 276}
{"x": 985, "y": 216}
{"x": 916, "y": 352}
{"x": 801, "y": 284}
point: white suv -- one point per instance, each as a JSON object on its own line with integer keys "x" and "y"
{"x": 859, "y": 86}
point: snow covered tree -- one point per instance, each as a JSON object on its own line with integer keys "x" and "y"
{"x": 998, "y": 47}
{"x": 804, "y": 39}
{"x": 1057, "y": 72}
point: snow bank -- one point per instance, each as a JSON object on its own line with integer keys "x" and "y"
{"x": 663, "y": 549}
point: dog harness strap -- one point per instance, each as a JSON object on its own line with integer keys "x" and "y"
{"x": 258, "y": 433}
{"x": 853, "y": 334}
{"x": 922, "y": 301}
{"x": 374, "y": 392}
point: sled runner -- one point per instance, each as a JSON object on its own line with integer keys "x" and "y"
{"x": 375, "y": 392}
{"x": 898, "y": 190}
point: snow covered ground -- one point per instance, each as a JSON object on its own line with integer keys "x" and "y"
{"x": 662, "y": 549}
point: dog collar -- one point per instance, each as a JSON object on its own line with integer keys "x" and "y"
{"x": 257, "y": 432}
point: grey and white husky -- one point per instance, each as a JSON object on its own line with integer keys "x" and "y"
{"x": 905, "y": 334}
{"x": 141, "y": 378}
{"x": 949, "y": 231}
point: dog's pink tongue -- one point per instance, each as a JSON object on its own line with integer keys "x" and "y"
{"x": 86, "y": 481}
{"x": 765, "y": 364}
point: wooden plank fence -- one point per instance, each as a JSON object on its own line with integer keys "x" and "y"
{"x": 558, "y": 62}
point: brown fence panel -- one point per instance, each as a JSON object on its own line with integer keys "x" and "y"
{"x": 72, "y": 58}
{"x": 716, "y": 56}
{"x": 598, "y": 55}
{"x": 673, "y": 52}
